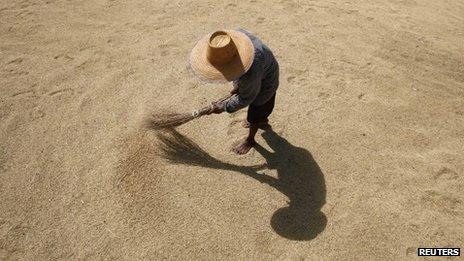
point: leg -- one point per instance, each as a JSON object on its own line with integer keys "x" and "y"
{"x": 262, "y": 124}
{"x": 260, "y": 114}
{"x": 257, "y": 115}
{"x": 242, "y": 147}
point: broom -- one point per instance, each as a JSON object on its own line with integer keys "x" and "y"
{"x": 160, "y": 121}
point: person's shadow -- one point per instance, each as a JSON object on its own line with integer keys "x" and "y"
{"x": 299, "y": 178}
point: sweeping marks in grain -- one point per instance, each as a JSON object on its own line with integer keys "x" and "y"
{"x": 140, "y": 163}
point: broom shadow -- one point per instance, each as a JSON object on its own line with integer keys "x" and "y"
{"x": 299, "y": 178}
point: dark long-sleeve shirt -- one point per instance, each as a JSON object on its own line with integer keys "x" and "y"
{"x": 259, "y": 83}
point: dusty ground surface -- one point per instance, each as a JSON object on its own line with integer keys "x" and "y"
{"x": 365, "y": 159}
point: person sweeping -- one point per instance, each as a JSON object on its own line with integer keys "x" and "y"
{"x": 239, "y": 57}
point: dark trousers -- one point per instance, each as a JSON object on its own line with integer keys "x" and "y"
{"x": 260, "y": 113}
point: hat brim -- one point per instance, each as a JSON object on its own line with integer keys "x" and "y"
{"x": 239, "y": 65}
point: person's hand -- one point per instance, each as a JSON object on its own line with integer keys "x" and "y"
{"x": 217, "y": 108}
{"x": 234, "y": 91}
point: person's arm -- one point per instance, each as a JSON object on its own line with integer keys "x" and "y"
{"x": 242, "y": 97}
{"x": 248, "y": 86}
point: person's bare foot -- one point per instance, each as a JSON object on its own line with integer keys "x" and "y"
{"x": 243, "y": 146}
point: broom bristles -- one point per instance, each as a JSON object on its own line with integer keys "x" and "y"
{"x": 161, "y": 121}
{"x": 167, "y": 120}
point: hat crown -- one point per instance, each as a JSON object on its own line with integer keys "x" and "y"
{"x": 221, "y": 56}
{"x": 221, "y": 48}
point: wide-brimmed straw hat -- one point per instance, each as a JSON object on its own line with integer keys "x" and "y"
{"x": 222, "y": 56}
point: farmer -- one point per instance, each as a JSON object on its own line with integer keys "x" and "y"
{"x": 240, "y": 57}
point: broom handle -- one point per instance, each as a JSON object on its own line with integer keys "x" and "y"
{"x": 205, "y": 110}
{"x": 225, "y": 97}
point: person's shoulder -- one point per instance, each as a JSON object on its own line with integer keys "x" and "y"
{"x": 254, "y": 39}
{"x": 245, "y": 31}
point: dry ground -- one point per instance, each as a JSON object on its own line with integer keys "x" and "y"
{"x": 365, "y": 159}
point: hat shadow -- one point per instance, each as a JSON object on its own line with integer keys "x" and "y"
{"x": 299, "y": 178}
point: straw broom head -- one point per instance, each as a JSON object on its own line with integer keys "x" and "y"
{"x": 167, "y": 120}
{"x": 159, "y": 121}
